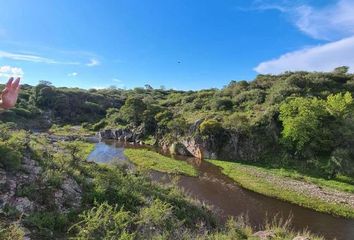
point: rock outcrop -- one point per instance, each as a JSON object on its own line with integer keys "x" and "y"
{"x": 178, "y": 148}
{"x": 69, "y": 194}
{"x": 11, "y": 182}
{"x": 26, "y": 191}
{"x": 123, "y": 134}
{"x": 233, "y": 144}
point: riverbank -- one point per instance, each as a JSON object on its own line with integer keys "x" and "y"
{"x": 308, "y": 192}
{"x": 151, "y": 160}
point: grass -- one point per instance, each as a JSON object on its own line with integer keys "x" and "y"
{"x": 155, "y": 161}
{"x": 11, "y": 231}
{"x": 341, "y": 183}
{"x": 69, "y": 130}
{"x": 316, "y": 174}
{"x": 149, "y": 140}
{"x": 243, "y": 174}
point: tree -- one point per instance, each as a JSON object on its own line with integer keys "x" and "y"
{"x": 178, "y": 126}
{"x": 341, "y": 70}
{"x": 302, "y": 121}
{"x": 132, "y": 110}
{"x": 45, "y": 83}
{"x": 340, "y": 105}
{"x": 148, "y": 87}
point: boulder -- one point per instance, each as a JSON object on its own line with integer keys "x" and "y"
{"x": 69, "y": 194}
{"x": 23, "y": 205}
{"x": 179, "y": 149}
{"x": 31, "y": 167}
{"x": 199, "y": 148}
{"x": 107, "y": 134}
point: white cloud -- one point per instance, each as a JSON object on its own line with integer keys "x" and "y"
{"x": 93, "y": 62}
{"x": 73, "y": 74}
{"x": 330, "y": 22}
{"x": 32, "y": 58}
{"x": 324, "y": 57}
{"x": 8, "y": 71}
{"x": 99, "y": 87}
{"x": 117, "y": 80}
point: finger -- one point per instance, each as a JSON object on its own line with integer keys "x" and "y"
{"x": 18, "y": 89}
{"x": 9, "y": 83}
{"x": 15, "y": 85}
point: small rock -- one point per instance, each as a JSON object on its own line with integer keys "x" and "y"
{"x": 11, "y": 187}
{"x": 264, "y": 235}
{"x": 23, "y": 204}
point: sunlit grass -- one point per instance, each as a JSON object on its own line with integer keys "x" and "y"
{"x": 155, "y": 161}
{"x": 68, "y": 130}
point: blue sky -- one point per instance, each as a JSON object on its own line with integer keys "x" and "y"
{"x": 181, "y": 44}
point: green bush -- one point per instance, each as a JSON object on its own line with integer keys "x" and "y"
{"x": 340, "y": 162}
{"x": 48, "y": 222}
{"x": 104, "y": 222}
{"x": 210, "y": 127}
{"x": 9, "y": 158}
{"x": 223, "y": 104}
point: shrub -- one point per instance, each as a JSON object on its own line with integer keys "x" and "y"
{"x": 48, "y": 222}
{"x": 156, "y": 219}
{"x": 104, "y": 222}
{"x": 339, "y": 163}
{"x": 210, "y": 127}
{"x": 223, "y": 104}
{"x": 9, "y": 158}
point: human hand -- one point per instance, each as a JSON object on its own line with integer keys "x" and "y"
{"x": 10, "y": 93}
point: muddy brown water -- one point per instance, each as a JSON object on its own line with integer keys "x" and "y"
{"x": 229, "y": 199}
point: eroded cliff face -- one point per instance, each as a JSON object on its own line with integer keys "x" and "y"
{"x": 228, "y": 145}
{"x": 236, "y": 146}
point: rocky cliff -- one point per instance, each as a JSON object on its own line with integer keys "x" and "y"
{"x": 123, "y": 134}
{"x": 229, "y": 145}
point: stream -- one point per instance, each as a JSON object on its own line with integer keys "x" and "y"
{"x": 229, "y": 199}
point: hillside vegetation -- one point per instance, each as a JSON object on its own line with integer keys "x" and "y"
{"x": 301, "y": 119}
{"x": 297, "y": 125}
